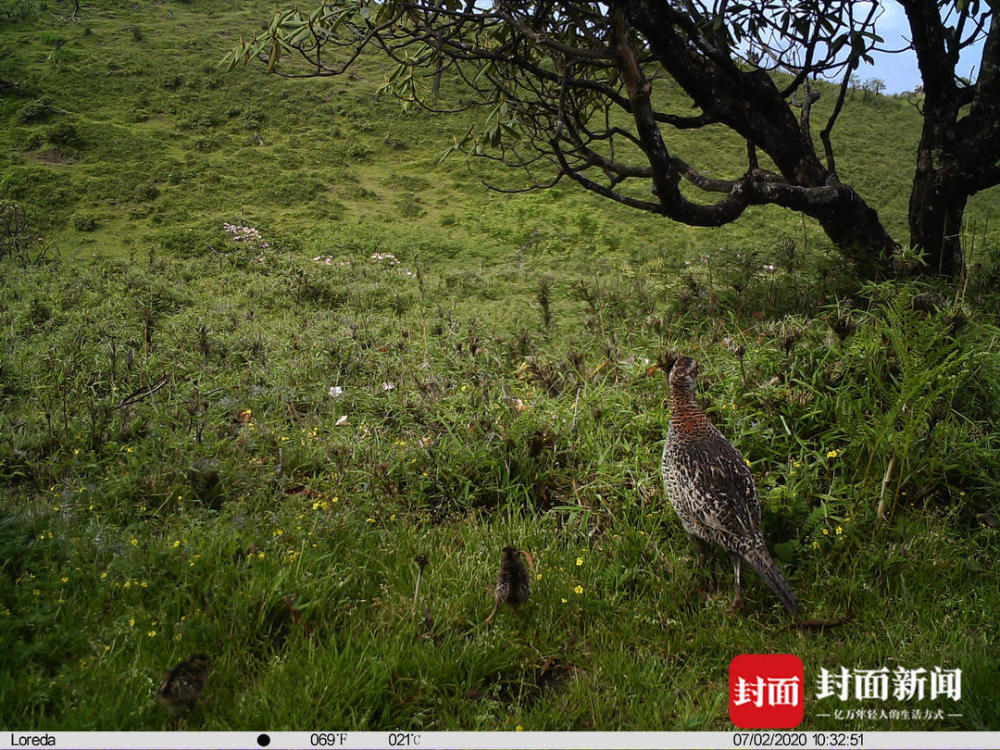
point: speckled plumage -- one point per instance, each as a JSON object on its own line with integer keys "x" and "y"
{"x": 183, "y": 684}
{"x": 708, "y": 483}
{"x": 513, "y": 582}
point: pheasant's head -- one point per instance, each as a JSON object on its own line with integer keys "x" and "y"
{"x": 686, "y": 416}
{"x": 683, "y": 374}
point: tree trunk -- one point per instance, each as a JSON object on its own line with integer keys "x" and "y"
{"x": 855, "y": 229}
{"x": 959, "y": 151}
{"x": 936, "y": 208}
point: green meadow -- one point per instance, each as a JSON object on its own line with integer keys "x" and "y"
{"x": 233, "y": 442}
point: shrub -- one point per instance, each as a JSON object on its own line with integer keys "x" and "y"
{"x": 36, "y": 110}
{"x": 84, "y": 223}
{"x": 63, "y": 135}
{"x": 16, "y": 240}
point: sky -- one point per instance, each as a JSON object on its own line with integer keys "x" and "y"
{"x": 899, "y": 71}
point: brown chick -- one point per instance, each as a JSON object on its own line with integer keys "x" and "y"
{"x": 513, "y": 582}
{"x": 182, "y": 685}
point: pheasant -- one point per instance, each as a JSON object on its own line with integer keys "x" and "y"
{"x": 513, "y": 583}
{"x": 712, "y": 490}
{"x": 182, "y": 685}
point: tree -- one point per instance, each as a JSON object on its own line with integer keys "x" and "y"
{"x": 959, "y": 150}
{"x": 874, "y": 85}
{"x": 578, "y": 90}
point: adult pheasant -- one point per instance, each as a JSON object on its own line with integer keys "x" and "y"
{"x": 712, "y": 490}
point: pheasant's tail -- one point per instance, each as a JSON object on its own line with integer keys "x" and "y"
{"x": 761, "y": 561}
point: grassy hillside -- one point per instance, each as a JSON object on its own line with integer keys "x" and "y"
{"x": 211, "y": 441}
{"x": 122, "y": 133}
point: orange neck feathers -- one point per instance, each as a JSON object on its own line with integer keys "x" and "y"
{"x": 685, "y": 414}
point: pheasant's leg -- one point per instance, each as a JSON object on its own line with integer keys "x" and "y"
{"x": 737, "y": 604}
{"x": 492, "y": 613}
{"x": 530, "y": 559}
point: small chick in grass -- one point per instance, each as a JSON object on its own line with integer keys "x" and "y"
{"x": 182, "y": 685}
{"x": 513, "y": 582}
